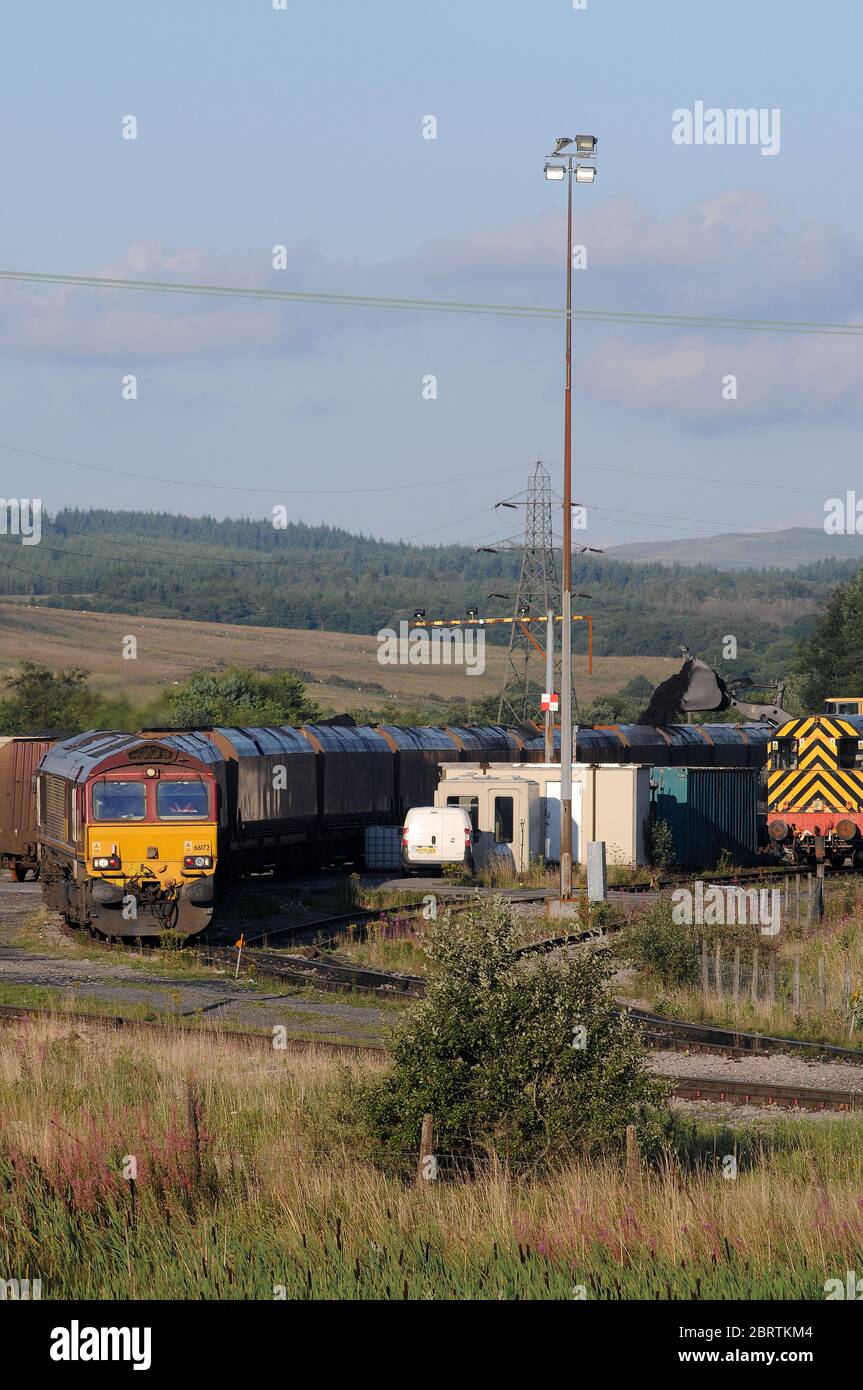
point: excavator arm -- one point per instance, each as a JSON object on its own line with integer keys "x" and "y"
{"x": 698, "y": 688}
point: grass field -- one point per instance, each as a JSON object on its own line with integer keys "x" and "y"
{"x": 254, "y": 1182}
{"x": 171, "y": 649}
{"x": 809, "y": 983}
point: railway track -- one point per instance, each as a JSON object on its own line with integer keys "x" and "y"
{"x": 337, "y": 974}
{"x": 14, "y": 1013}
{"x": 689, "y": 1088}
{"x": 326, "y": 929}
{"x": 678, "y": 1035}
{"x": 326, "y": 972}
{"x": 743, "y": 1092}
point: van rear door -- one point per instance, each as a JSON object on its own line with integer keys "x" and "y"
{"x": 424, "y": 827}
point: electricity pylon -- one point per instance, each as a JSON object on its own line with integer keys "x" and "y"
{"x": 538, "y": 594}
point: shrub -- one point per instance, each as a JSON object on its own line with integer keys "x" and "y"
{"x": 662, "y": 948}
{"x": 658, "y": 843}
{"x": 491, "y": 1052}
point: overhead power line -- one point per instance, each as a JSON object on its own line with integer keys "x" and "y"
{"x": 732, "y": 323}
{"x": 268, "y": 491}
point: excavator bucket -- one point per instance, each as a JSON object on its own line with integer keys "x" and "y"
{"x": 706, "y": 690}
{"x": 695, "y": 686}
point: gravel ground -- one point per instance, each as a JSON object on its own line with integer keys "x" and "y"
{"x": 778, "y": 1069}
{"x": 112, "y": 982}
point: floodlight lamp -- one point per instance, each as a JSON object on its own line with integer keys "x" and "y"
{"x": 585, "y": 173}
{"x": 555, "y": 172}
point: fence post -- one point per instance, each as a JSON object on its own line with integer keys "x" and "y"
{"x": 755, "y": 975}
{"x": 797, "y": 984}
{"x": 717, "y": 966}
{"x": 819, "y": 893}
{"x": 771, "y": 977}
{"x": 427, "y": 1167}
{"x": 633, "y": 1157}
{"x": 736, "y": 981}
{"x": 846, "y": 983}
{"x": 705, "y": 967}
{"x": 797, "y": 899}
{"x": 597, "y": 879}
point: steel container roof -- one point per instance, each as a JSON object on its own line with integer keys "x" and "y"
{"x": 250, "y": 742}
{"x": 341, "y": 738}
{"x": 429, "y": 738}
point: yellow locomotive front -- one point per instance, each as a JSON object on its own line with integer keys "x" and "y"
{"x": 815, "y": 789}
{"x": 129, "y": 833}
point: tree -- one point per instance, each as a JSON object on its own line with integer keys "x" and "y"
{"x": 532, "y": 1057}
{"x": 43, "y": 701}
{"x": 46, "y": 701}
{"x": 831, "y": 660}
{"x": 238, "y": 696}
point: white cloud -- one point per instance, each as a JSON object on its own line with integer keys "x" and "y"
{"x": 738, "y": 254}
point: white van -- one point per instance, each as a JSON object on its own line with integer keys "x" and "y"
{"x": 436, "y": 835}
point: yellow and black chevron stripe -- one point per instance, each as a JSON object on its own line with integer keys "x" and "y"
{"x": 817, "y": 783}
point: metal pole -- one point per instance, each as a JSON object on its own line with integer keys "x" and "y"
{"x": 566, "y": 595}
{"x": 549, "y": 685}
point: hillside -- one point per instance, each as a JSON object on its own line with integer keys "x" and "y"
{"x": 340, "y": 668}
{"x": 306, "y": 578}
{"x": 785, "y": 550}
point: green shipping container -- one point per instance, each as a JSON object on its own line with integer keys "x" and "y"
{"x": 712, "y": 813}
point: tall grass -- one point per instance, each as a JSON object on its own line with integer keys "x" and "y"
{"x": 825, "y": 957}
{"x": 252, "y": 1177}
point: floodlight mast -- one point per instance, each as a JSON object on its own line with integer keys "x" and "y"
{"x": 559, "y": 165}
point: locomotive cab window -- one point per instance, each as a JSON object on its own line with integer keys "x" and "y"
{"x": 182, "y": 801}
{"x": 848, "y": 753}
{"x": 843, "y": 706}
{"x": 503, "y": 820}
{"x": 119, "y": 800}
{"x": 785, "y": 757}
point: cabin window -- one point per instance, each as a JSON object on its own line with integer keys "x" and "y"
{"x": 182, "y": 801}
{"x": 785, "y": 757}
{"x": 119, "y": 800}
{"x": 469, "y": 804}
{"x": 849, "y": 754}
{"x": 503, "y": 820}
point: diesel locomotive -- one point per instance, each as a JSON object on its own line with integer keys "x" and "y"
{"x": 128, "y": 831}
{"x": 815, "y": 787}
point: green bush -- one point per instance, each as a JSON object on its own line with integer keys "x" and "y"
{"x": 661, "y": 948}
{"x": 236, "y": 696}
{"x": 658, "y": 842}
{"x": 492, "y": 1052}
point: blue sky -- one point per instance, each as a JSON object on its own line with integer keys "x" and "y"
{"x": 303, "y": 127}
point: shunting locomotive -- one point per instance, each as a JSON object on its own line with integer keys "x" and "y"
{"x": 815, "y": 786}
